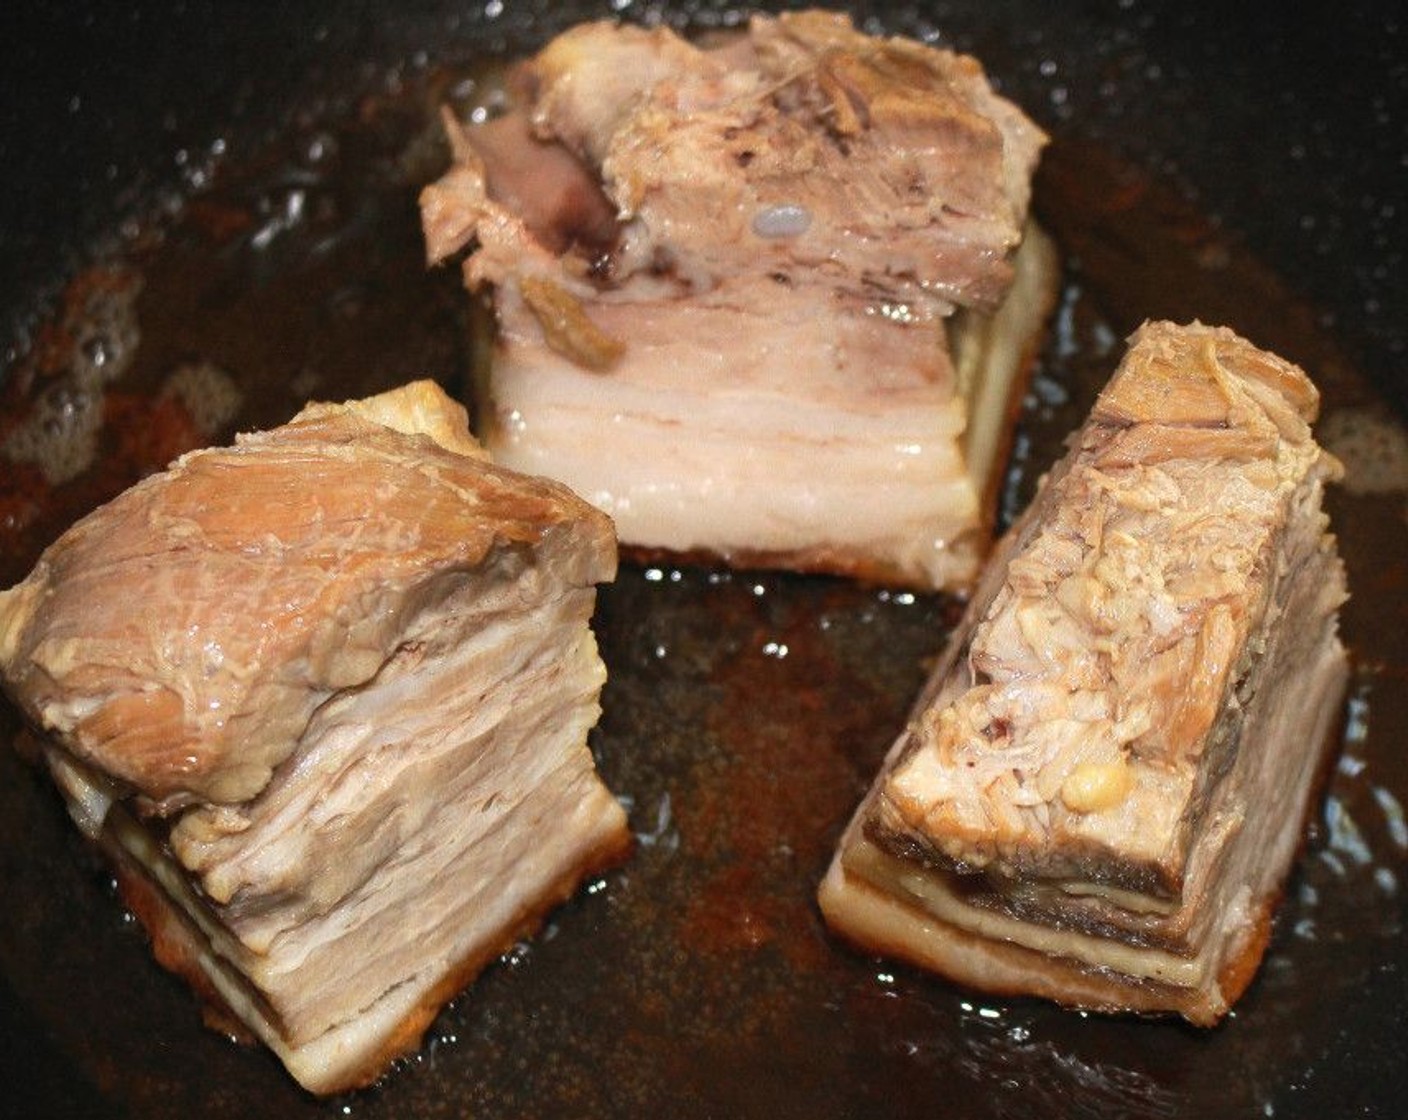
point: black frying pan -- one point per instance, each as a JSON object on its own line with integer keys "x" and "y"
{"x": 1242, "y": 166}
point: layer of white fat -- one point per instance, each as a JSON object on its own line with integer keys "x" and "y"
{"x": 727, "y": 494}
{"x": 991, "y": 353}
{"x": 775, "y": 417}
{"x": 428, "y": 815}
{"x": 780, "y": 442}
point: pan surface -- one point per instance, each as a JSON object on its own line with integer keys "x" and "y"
{"x": 208, "y": 216}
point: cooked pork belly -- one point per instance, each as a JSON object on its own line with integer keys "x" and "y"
{"x": 324, "y": 698}
{"x": 725, "y": 278}
{"x": 1102, "y": 787}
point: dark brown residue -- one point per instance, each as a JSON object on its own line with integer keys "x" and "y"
{"x": 744, "y": 717}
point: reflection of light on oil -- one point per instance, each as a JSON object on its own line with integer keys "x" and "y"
{"x": 662, "y": 832}
{"x": 1393, "y": 817}
{"x": 1356, "y": 718}
{"x": 1345, "y": 836}
{"x": 903, "y": 598}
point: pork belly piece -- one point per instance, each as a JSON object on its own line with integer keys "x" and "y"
{"x": 725, "y": 280}
{"x": 323, "y": 697}
{"x": 1102, "y": 787}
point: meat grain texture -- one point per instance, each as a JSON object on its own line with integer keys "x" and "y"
{"x": 761, "y": 298}
{"x": 1103, "y": 786}
{"x": 323, "y": 699}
